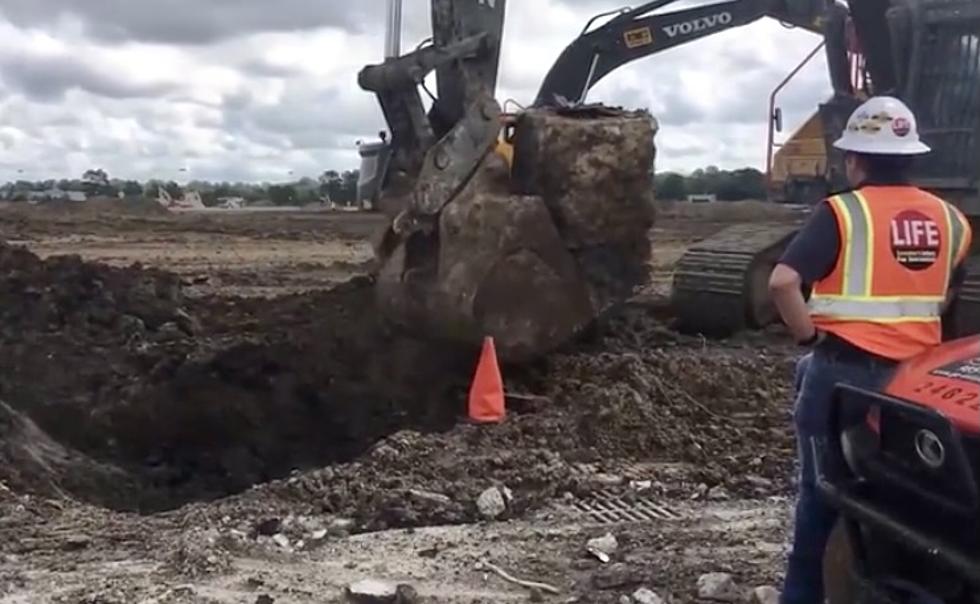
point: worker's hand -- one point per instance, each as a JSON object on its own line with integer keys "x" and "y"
{"x": 815, "y": 339}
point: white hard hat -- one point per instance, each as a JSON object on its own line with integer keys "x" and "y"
{"x": 882, "y": 125}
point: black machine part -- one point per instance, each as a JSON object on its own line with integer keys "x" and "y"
{"x": 432, "y": 154}
{"x": 930, "y": 514}
{"x": 635, "y": 33}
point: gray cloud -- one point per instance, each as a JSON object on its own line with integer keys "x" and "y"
{"x": 50, "y": 77}
{"x": 186, "y": 21}
{"x": 244, "y": 106}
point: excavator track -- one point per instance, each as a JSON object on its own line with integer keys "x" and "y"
{"x": 721, "y": 284}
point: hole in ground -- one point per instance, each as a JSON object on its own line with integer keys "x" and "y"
{"x": 151, "y": 428}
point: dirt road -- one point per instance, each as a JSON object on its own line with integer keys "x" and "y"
{"x": 230, "y": 422}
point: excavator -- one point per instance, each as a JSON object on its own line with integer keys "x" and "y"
{"x": 528, "y": 227}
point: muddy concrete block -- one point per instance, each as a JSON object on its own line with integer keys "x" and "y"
{"x": 593, "y": 169}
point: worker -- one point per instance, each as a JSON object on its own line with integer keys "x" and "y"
{"x": 882, "y": 261}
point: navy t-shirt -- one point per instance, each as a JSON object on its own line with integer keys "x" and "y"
{"x": 813, "y": 252}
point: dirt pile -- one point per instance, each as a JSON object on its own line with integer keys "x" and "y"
{"x": 636, "y": 393}
{"x": 65, "y": 293}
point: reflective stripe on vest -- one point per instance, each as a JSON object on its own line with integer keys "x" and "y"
{"x": 855, "y": 302}
{"x": 877, "y": 309}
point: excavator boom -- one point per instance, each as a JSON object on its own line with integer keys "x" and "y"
{"x": 635, "y": 33}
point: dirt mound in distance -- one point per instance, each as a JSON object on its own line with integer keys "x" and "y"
{"x": 132, "y": 206}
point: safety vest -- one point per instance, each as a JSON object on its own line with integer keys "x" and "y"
{"x": 899, "y": 247}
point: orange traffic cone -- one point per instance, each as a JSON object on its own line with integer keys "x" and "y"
{"x": 486, "y": 403}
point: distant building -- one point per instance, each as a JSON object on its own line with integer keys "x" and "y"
{"x": 702, "y": 198}
{"x": 55, "y": 194}
{"x": 231, "y": 203}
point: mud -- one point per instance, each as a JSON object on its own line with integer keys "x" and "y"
{"x": 225, "y": 420}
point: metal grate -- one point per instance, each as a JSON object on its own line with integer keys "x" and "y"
{"x": 610, "y": 508}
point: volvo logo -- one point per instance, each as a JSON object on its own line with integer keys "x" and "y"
{"x": 699, "y": 24}
{"x": 930, "y": 449}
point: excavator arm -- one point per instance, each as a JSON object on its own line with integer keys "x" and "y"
{"x": 634, "y": 33}
{"x": 433, "y": 155}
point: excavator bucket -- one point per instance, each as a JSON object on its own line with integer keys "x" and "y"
{"x": 534, "y": 255}
{"x": 528, "y": 245}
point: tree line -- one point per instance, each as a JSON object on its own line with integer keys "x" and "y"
{"x": 725, "y": 185}
{"x": 333, "y": 186}
{"x": 341, "y": 187}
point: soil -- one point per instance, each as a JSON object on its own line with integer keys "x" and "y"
{"x": 168, "y": 440}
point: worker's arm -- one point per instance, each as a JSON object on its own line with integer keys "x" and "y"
{"x": 959, "y": 273}
{"x": 955, "y": 283}
{"x": 785, "y": 287}
{"x": 810, "y": 257}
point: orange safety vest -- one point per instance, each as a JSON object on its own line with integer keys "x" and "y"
{"x": 899, "y": 247}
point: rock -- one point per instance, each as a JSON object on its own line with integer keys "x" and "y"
{"x": 186, "y": 323}
{"x": 281, "y": 540}
{"x": 340, "y": 527}
{"x": 717, "y": 586}
{"x": 406, "y": 594}
{"x": 625, "y": 600}
{"x": 75, "y": 543}
{"x": 168, "y": 332}
{"x": 645, "y": 596}
{"x": 536, "y": 595}
{"x": 429, "y": 497}
{"x": 491, "y": 503}
{"x": 759, "y": 482}
{"x": 607, "y": 480}
{"x": 603, "y": 547}
{"x": 613, "y": 576}
{"x": 131, "y": 325}
{"x": 268, "y": 527}
{"x": 264, "y": 599}
{"x": 371, "y": 591}
{"x": 718, "y": 493}
{"x": 765, "y": 594}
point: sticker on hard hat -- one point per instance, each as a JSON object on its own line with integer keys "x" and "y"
{"x": 901, "y": 126}
{"x": 915, "y": 240}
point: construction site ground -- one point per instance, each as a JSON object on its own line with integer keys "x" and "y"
{"x": 203, "y": 408}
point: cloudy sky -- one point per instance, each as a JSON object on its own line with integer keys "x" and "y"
{"x": 266, "y": 90}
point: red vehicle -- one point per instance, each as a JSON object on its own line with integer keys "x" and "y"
{"x": 903, "y": 467}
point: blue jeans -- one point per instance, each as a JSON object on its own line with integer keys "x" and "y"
{"x": 816, "y": 376}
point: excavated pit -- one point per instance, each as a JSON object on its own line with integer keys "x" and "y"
{"x": 114, "y": 372}
{"x": 119, "y": 390}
